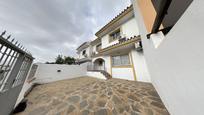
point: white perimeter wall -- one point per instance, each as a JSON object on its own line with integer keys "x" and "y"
{"x": 48, "y": 72}
{"x": 177, "y": 65}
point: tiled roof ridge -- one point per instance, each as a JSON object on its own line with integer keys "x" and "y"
{"x": 83, "y": 44}
{"x": 127, "y": 9}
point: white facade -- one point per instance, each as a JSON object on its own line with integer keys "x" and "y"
{"x": 80, "y": 54}
{"x": 138, "y": 67}
{"x": 84, "y": 53}
{"x": 136, "y": 70}
{"x": 176, "y": 65}
{"x": 128, "y": 29}
{"x": 123, "y": 73}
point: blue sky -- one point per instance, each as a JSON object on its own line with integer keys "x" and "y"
{"x": 51, "y": 27}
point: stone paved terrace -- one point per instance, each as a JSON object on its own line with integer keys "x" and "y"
{"x": 90, "y": 96}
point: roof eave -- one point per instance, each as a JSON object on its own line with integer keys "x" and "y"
{"x": 118, "y": 17}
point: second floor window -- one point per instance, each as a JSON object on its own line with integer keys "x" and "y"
{"x": 115, "y": 35}
{"x": 84, "y": 52}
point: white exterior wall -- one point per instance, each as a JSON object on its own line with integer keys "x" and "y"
{"x": 107, "y": 63}
{"x": 176, "y": 66}
{"x": 88, "y": 52}
{"x": 123, "y": 73}
{"x": 48, "y": 72}
{"x": 105, "y": 41}
{"x": 140, "y": 68}
{"x": 94, "y": 48}
{"x": 128, "y": 29}
{"x": 142, "y": 73}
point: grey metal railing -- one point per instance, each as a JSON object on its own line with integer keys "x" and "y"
{"x": 32, "y": 72}
{"x": 92, "y": 67}
{"x": 15, "y": 62}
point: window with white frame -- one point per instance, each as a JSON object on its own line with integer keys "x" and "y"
{"x": 122, "y": 60}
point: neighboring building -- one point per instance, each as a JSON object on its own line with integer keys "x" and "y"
{"x": 84, "y": 53}
{"x": 117, "y": 50}
{"x": 172, "y": 38}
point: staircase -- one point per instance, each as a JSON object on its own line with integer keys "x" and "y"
{"x": 103, "y": 72}
{"x": 106, "y": 74}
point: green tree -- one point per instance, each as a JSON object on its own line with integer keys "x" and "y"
{"x": 59, "y": 60}
{"x": 69, "y": 60}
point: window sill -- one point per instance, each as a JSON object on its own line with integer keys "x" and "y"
{"x": 122, "y": 66}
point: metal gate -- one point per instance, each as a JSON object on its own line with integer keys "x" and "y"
{"x": 15, "y": 62}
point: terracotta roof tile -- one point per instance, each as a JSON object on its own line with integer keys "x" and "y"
{"x": 134, "y": 38}
{"x": 128, "y": 9}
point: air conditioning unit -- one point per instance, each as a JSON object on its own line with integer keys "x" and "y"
{"x": 138, "y": 46}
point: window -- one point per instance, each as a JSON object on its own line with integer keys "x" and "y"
{"x": 122, "y": 60}
{"x": 84, "y": 52}
{"x": 98, "y": 47}
{"x": 115, "y": 35}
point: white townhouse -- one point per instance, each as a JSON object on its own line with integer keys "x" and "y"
{"x": 117, "y": 51}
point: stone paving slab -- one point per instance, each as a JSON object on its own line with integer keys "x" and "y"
{"x": 91, "y": 96}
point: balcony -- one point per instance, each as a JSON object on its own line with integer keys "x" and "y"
{"x": 124, "y": 45}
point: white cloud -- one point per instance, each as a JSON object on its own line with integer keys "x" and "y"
{"x": 51, "y": 27}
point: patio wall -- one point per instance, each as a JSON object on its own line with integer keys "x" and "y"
{"x": 49, "y": 72}
{"x": 176, "y": 66}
